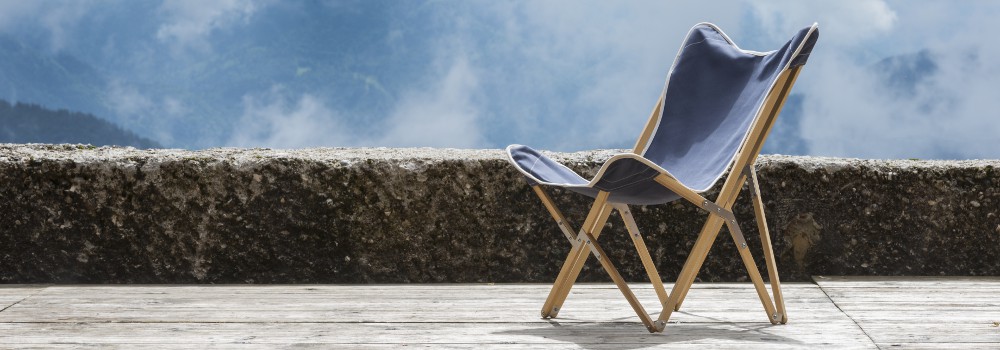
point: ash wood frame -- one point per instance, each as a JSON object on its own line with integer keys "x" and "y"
{"x": 584, "y": 242}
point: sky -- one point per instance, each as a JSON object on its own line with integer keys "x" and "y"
{"x": 887, "y": 79}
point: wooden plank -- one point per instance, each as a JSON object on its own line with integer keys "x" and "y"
{"x": 445, "y": 314}
{"x": 390, "y": 316}
{"x": 734, "y": 303}
{"x": 13, "y": 293}
{"x": 430, "y": 346}
{"x": 583, "y": 293}
{"x": 17, "y": 289}
{"x": 319, "y": 304}
{"x": 888, "y": 280}
{"x": 943, "y": 332}
{"x": 938, "y": 346}
{"x": 907, "y": 281}
{"x": 7, "y": 301}
{"x": 717, "y": 333}
{"x": 580, "y": 294}
{"x": 921, "y": 312}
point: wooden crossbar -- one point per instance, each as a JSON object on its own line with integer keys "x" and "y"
{"x": 586, "y": 244}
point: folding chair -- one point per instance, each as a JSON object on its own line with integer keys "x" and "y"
{"x": 715, "y": 112}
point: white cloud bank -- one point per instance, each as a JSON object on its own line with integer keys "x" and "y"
{"x": 441, "y": 113}
{"x": 137, "y": 111}
{"x": 844, "y": 23}
{"x": 277, "y": 120}
{"x": 852, "y": 107}
{"x": 444, "y": 115}
{"x": 570, "y": 75}
{"x": 188, "y": 23}
{"x": 57, "y": 18}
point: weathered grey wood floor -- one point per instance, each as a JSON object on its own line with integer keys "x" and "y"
{"x": 836, "y": 312}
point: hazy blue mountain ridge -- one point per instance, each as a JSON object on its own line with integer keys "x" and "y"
{"x": 57, "y": 81}
{"x": 29, "y": 123}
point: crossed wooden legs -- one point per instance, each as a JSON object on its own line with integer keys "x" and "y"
{"x": 585, "y": 243}
{"x": 723, "y": 215}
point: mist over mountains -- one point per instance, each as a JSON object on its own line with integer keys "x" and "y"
{"x": 477, "y": 74}
{"x": 191, "y": 93}
{"x": 277, "y": 75}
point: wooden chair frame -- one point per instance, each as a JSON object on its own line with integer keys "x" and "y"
{"x": 584, "y": 242}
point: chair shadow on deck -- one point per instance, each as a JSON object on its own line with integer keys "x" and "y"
{"x": 625, "y": 334}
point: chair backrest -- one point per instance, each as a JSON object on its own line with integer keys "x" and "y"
{"x": 714, "y": 95}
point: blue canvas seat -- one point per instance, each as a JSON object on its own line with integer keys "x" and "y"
{"x": 716, "y": 109}
{"x": 714, "y": 92}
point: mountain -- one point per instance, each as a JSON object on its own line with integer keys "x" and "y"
{"x": 903, "y": 74}
{"x": 192, "y": 94}
{"x": 30, "y": 123}
{"x": 57, "y": 80}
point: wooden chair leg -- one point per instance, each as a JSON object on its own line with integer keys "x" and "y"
{"x": 574, "y": 272}
{"x": 765, "y": 243}
{"x": 714, "y": 223}
{"x": 622, "y": 285}
{"x": 570, "y": 270}
{"x": 586, "y": 244}
{"x": 691, "y": 266}
{"x": 564, "y": 225}
{"x": 640, "y": 247}
{"x": 700, "y": 252}
{"x": 705, "y": 239}
{"x": 753, "y": 272}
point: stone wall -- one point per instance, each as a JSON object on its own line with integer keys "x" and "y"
{"x": 78, "y": 214}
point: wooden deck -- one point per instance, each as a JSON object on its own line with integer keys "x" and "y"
{"x": 836, "y": 312}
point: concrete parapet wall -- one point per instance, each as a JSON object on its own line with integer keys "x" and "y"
{"x": 76, "y": 214}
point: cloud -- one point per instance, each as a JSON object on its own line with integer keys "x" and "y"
{"x": 61, "y": 20}
{"x": 57, "y": 18}
{"x": 569, "y": 75}
{"x": 127, "y": 100}
{"x": 12, "y": 11}
{"x": 440, "y": 113}
{"x": 154, "y": 117}
{"x": 865, "y": 94}
{"x": 559, "y": 75}
{"x": 188, "y": 23}
{"x": 948, "y": 114}
{"x": 585, "y": 76}
{"x": 443, "y": 114}
{"x": 845, "y": 23}
{"x": 278, "y": 120}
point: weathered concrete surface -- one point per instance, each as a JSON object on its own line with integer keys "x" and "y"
{"x": 74, "y": 214}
